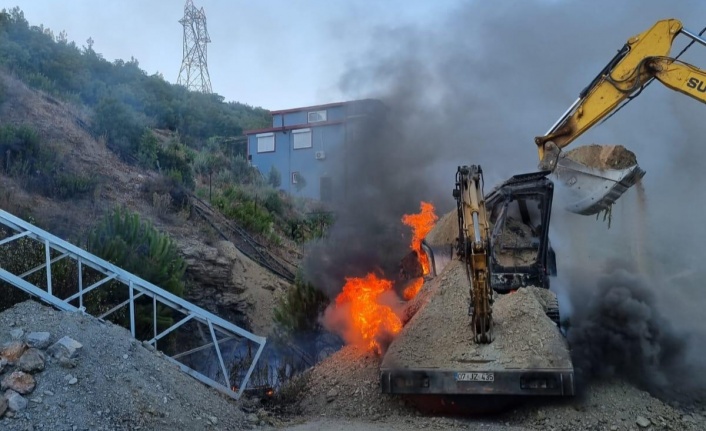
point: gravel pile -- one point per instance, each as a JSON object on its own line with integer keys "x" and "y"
{"x": 110, "y": 382}
{"x": 346, "y": 384}
{"x": 603, "y": 156}
{"x": 524, "y": 337}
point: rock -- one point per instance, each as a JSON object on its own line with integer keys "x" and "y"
{"x": 643, "y": 422}
{"x": 17, "y": 334}
{"x": 3, "y": 364}
{"x": 48, "y": 393}
{"x": 70, "y": 379}
{"x": 331, "y": 395}
{"x": 19, "y": 381}
{"x": 213, "y": 420}
{"x": 68, "y": 362}
{"x": 15, "y": 401}
{"x": 148, "y": 346}
{"x": 614, "y": 428}
{"x": 66, "y": 347}
{"x": 40, "y": 340}
{"x": 3, "y": 406}
{"x": 12, "y": 351}
{"x": 31, "y": 361}
{"x": 252, "y": 418}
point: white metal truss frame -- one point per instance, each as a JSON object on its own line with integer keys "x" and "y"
{"x": 137, "y": 288}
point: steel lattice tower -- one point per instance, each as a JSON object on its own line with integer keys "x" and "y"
{"x": 194, "y": 66}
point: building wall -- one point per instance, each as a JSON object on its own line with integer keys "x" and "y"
{"x": 328, "y": 138}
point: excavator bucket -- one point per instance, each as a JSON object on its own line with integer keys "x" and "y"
{"x": 596, "y": 176}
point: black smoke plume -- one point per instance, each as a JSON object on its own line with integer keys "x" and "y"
{"x": 619, "y": 331}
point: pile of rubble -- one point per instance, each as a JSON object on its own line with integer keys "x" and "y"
{"x": 27, "y": 357}
{"x": 524, "y": 337}
{"x": 64, "y": 371}
{"x": 347, "y": 385}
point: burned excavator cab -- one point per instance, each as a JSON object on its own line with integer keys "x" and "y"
{"x": 520, "y": 211}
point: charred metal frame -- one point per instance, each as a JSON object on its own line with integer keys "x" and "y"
{"x": 538, "y": 187}
{"x": 136, "y": 288}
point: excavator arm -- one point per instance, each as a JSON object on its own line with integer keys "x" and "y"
{"x": 473, "y": 247}
{"x": 643, "y": 58}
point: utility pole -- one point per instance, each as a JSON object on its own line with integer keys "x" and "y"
{"x": 194, "y": 65}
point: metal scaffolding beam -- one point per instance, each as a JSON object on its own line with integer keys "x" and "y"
{"x": 108, "y": 276}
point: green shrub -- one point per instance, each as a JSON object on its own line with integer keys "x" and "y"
{"x": 138, "y": 247}
{"x": 242, "y": 171}
{"x": 298, "y": 312}
{"x": 273, "y": 202}
{"x": 274, "y": 178}
{"x": 119, "y": 124}
{"x": 167, "y": 185}
{"x": 237, "y": 204}
{"x": 175, "y": 159}
{"x": 147, "y": 151}
{"x": 70, "y": 185}
{"x": 18, "y": 143}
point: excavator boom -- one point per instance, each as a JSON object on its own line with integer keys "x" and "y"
{"x": 473, "y": 247}
{"x": 643, "y": 58}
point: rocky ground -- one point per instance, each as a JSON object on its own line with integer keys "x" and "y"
{"x": 343, "y": 393}
{"x": 110, "y": 382}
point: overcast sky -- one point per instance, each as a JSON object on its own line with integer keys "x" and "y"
{"x": 276, "y": 54}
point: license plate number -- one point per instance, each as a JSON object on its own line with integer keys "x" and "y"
{"x": 475, "y": 377}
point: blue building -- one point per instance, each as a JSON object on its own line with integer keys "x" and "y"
{"x": 308, "y": 146}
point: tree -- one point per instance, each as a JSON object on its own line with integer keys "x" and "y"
{"x": 274, "y": 178}
{"x": 138, "y": 247}
{"x": 147, "y": 151}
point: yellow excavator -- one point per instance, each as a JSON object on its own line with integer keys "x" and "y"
{"x": 502, "y": 241}
{"x": 641, "y": 60}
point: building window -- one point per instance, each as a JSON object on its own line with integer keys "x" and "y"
{"x": 301, "y": 138}
{"x": 265, "y": 142}
{"x": 295, "y": 177}
{"x": 317, "y": 116}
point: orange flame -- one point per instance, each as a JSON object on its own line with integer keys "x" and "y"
{"x": 411, "y": 290}
{"x": 421, "y": 225}
{"x": 368, "y": 316}
{"x": 361, "y": 298}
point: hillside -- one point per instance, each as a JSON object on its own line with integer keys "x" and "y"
{"x": 81, "y": 136}
{"x": 223, "y": 279}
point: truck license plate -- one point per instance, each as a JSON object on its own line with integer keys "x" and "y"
{"x": 475, "y": 377}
